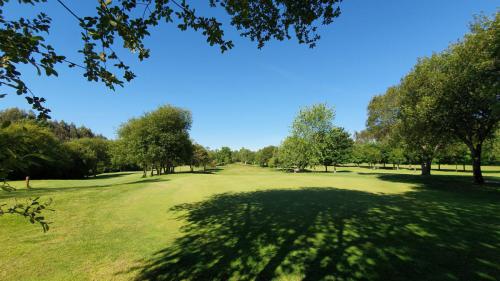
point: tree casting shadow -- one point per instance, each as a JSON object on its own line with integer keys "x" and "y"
{"x": 333, "y": 234}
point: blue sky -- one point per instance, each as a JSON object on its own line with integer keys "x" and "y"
{"x": 249, "y": 97}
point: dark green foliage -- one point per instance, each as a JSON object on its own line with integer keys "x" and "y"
{"x": 223, "y": 156}
{"x": 157, "y": 140}
{"x": 383, "y": 113}
{"x": 87, "y": 157}
{"x": 127, "y": 24}
{"x": 263, "y": 155}
{"x": 201, "y": 156}
{"x": 62, "y": 130}
{"x": 29, "y": 147}
{"x": 333, "y": 148}
{"x": 446, "y": 98}
{"x": 30, "y": 150}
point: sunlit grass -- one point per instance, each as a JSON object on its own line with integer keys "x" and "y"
{"x": 246, "y": 222}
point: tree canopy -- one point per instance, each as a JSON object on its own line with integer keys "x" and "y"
{"x": 449, "y": 97}
{"x": 128, "y": 23}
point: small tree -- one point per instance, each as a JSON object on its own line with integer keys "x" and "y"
{"x": 224, "y": 156}
{"x": 294, "y": 153}
{"x": 396, "y": 156}
{"x": 200, "y": 156}
{"x": 334, "y": 148}
{"x": 263, "y": 155}
{"x": 246, "y": 155}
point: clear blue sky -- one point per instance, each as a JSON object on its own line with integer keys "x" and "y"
{"x": 249, "y": 97}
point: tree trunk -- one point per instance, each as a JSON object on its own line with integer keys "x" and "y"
{"x": 476, "y": 164}
{"x": 334, "y": 169}
{"x": 326, "y": 168}
{"x": 426, "y": 167}
{"x": 439, "y": 165}
{"x": 144, "y": 174}
{"x": 456, "y": 167}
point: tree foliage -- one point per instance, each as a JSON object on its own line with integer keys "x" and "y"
{"x": 263, "y": 155}
{"x": 128, "y": 23}
{"x": 159, "y": 139}
{"x": 448, "y": 97}
{"x": 315, "y": 140}
{"x": 333, "y": 148}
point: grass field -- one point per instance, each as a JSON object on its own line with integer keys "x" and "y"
{"x": 250, "y": 223}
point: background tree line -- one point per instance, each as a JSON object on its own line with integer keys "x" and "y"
{"x": 315, "y": 141}
{"x": 158, "y": 141}
{"x": 49, "y": 149}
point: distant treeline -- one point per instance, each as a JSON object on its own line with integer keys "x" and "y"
{"x": 314, "y": 141}
{"x": 158, "y": 141}
{"x": 49, "y": 149}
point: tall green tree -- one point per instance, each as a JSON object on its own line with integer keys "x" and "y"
{"x": 421, "y": 127}
{"x": 159, "y": 139}
{"x": 470, "y": 103}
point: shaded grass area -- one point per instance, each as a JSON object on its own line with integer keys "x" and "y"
{"x": 50, "y": 191}
{"x": 249, "y": 223}
{"x": 333, "y": 234}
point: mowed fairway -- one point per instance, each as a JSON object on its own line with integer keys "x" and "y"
{"x": 246, "y": 223}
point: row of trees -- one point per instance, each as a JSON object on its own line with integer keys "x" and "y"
{"x": 49, "y": 149}
{"x": 314, "y": 140}
{"x": 157, "y": 141}
{"x": 449, "y": 101}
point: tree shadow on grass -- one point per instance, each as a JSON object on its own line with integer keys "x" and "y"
{"x": 208, "y": 171}
{"x": 333, "y": 234}
{"x": 440, "y": 182}
{"x": 44, "y": 191}
{"x": 112, "y": 175}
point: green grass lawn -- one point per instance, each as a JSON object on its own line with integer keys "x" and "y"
{"x": 249, "y": 223}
